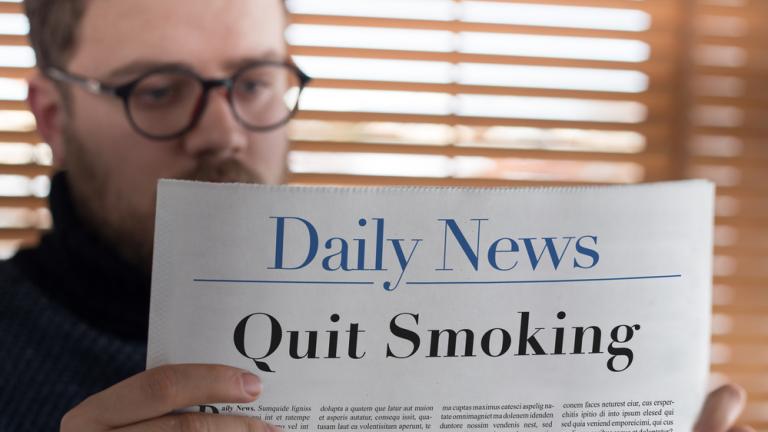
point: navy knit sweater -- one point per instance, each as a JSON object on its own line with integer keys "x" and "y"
{"x": 73, "y": 321}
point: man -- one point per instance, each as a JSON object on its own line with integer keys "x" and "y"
{"x": 74, "y": 310}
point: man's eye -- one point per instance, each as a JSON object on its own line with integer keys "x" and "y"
{"x": 156, "y": 94}
{"x": 250, "y": 87}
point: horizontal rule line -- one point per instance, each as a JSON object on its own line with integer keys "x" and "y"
{"x": 247, "y": 281}
{"x": 535, "y": 281}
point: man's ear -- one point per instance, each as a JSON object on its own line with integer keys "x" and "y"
{"x": 47, "y": 105}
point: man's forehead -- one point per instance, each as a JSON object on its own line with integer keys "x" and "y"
{"x": 207, "y": 35}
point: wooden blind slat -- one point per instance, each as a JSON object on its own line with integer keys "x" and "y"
{"x": 731, "y": 41}
{"x": 652, "y": 36}
{"x": 20, "y": 137}
{"x": 747, "y": 12}
{"x": 740, "y": 252}
{"x": 657, "y": 100}
{"x": 16, "y": 72}
{"x": 733, "y": 131}
{"x": 747, "y": 163}
{"x": 743, "y": 102}
{"x": 647, "y": 159}
{"x": 656, "y": 7}
{"x": 13, "y": 40}
{"x": 25, "y": 235}
{"x": 28, "y": 170}
{"x": 360, "y": 180}
{"x": 23, "y": 202}
{"x": 11, "y": 8}
{"x": 747, "y": 72}
{"x": 658, "y": 71}
{"x": 477, "y": 121}
{"x": 13, "y": 105}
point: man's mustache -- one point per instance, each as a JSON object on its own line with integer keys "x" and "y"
{"x": 222, "y": 171}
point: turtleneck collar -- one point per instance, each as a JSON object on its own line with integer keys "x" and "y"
{"x": 78, "y": 269}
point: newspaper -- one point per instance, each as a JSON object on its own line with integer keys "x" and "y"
{"x": 569, "y": 309}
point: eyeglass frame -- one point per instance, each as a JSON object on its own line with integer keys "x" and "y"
{"x": 124, "y": 91}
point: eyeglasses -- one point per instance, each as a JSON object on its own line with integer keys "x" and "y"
{"x": 168, "y": 102}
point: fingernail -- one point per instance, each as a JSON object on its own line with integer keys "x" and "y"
{"x": 274, "y": 428}
{"x": 251, "y": 384}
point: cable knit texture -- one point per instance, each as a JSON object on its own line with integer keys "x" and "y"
{"x": 73, "y": 321}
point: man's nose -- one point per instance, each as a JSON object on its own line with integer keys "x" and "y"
{"x": 217, "y": 133}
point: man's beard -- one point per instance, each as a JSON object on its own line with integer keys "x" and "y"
{"x": 126, "y": 229}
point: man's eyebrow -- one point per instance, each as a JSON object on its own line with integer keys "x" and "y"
{"x": 132, "y": 70}
{"x": 271, "y": 56}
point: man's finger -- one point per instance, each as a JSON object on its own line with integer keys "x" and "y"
{"x": 159, "y": 391}
{"x": 721, "y": 409}
{"x": 201, "y": 422}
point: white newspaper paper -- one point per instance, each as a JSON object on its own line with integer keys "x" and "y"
{"x": 569, "y": 309}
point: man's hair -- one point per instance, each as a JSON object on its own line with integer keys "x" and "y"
{"x": 53, "y": 28}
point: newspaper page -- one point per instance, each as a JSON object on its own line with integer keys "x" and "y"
{"x": 361, "y": 309}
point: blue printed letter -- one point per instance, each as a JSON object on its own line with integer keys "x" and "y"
{"x": 280, "y": 240}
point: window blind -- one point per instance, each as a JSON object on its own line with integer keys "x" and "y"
{"x": 24, "y": 161}
{"x": 485, "y": 93}
{"x": 727, "y": 131}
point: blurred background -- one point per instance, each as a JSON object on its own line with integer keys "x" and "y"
{"x": 509, "y": 93}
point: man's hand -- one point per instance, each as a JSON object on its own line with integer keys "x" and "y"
{"x": 721, "y": 410}
{"x": 145, "y": 402}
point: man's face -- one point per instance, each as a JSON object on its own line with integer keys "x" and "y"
{"x": 112, "y": 169}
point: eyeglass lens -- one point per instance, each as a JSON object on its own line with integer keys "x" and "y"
{"x": 167, "y": 103}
